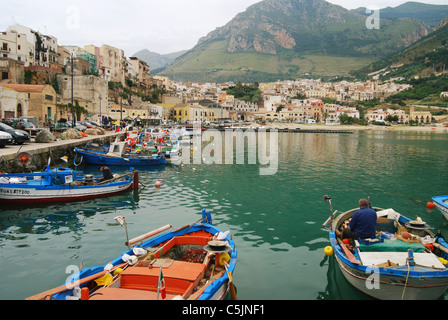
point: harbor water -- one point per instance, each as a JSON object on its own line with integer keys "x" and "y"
{"x": 275, "y": 220}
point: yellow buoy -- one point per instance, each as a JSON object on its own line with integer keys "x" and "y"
{"x": 117, "y": 271}
{"x": 224, "y": 257}
{"x": 328, "y": 250}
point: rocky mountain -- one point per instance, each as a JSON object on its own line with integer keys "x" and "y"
{"x": 284, "y": 39}
{"x": 157, "y": 60}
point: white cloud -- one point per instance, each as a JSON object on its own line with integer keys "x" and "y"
{"x": 161, "y": 26}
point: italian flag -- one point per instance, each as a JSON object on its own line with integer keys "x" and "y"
{"x": 161, "y": 285}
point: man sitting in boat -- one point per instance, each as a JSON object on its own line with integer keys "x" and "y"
{"x": 362, "y": 224}
{"x": 107, "y": 174}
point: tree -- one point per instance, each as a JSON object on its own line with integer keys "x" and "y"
{"x": 392, "y": 118}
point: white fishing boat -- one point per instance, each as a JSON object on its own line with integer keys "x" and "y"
{"x": 404, "y": 261}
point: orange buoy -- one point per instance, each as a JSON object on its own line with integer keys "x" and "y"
{"x": 430, "y": 205}
{"x": 158, "y": 184}
{"x": 406, "y": 235}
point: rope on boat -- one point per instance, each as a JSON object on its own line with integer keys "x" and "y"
{"x": 74, "y": 160}
{"x": 407, "y": 277}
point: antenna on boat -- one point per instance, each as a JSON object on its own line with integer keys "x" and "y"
{"x": 122, "y": 221}
{"x": 330, "y": 219}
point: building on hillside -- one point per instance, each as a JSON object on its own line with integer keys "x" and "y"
{"x": 114, "y": 65}
{"x": 15, "y": 45}
{"x": 90, "y": 58}
{"x": 90, "y": 91}
{"x": 42, "y": 100}
{"x": 190, "y": 113}
{"x": 245, "y": 106}
{"x": 12, "y": 71}
{"x": 422, "y": 117}
{"x": 403, "y": 117}
{"x": 378, "y": 115}
{"x": 140, "y": 73}
{"x": 272, "y": 102}
{"x": 44, "y": 47}
{"x": 13, "y": 103}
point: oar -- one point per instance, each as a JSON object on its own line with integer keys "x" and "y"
{"x": 72, "y": 285}
{"x": 113, "y": 179}
{"x": 231, "y": 285}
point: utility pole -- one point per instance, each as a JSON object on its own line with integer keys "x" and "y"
{"x": 72, "y": 106}
{"x": 101, "y": 116}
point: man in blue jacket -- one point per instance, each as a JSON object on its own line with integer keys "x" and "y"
{"x": 363, "y": 223}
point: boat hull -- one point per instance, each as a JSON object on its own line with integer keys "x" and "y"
{"x": 391, "y": 287}
{"x": 17, "y": 194}
{"x": 440, "y": 203}
{"x": 103, "y": 159}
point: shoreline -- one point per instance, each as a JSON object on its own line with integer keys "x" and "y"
{"x": 397, "y": 128}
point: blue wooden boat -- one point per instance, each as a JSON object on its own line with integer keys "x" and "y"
{"x": 441, "y": 202}
{"x": 196, "y": 261}
{"x": 60, "y": 184}
{"x": 116, "y": 155}
{"x": 393, "y": 265}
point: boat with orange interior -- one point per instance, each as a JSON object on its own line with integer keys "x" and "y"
{"x": 194, "y": 262}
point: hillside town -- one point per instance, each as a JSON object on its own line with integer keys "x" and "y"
{"x": 51, "y": 82}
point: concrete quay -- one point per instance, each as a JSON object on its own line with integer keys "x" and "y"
{"x": 40, "y": 152}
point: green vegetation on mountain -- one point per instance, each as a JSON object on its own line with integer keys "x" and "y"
{"x": 246, "y": 93}
{"x": 428, "y": 13}
{"x": 423, "y": 91}
{"x": 288, "y": 39}
{"x": 427, "y": 56}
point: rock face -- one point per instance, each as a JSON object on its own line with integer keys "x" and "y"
{"x": 278, "y": 39}
{"x": 44, "y": 136}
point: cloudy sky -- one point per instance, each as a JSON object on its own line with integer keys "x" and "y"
{"x": 160, "y": 26}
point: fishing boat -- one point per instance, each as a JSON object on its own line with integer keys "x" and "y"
{"x": 116, "y": 155}
{"x": 441, "y": 202}
{"x": 404, "y": 261}
{"x": 61, "y": 184}
{"x": 194, "y": 262}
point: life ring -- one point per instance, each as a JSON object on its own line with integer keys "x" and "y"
{"x": 223, "y": 258}
{"x": 131, "y": 141}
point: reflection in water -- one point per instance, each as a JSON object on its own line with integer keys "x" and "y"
{"x": 275, "y": 220}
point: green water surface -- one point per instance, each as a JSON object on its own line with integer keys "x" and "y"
{"x": 275, "y": 220}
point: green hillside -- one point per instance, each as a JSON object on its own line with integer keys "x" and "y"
{"x": 213, "y": 62}
{"x": 428, "y": 13}
{"x": 288, "y": 39}
{"x": 427, "y": 56}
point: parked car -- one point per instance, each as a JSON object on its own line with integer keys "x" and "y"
{"x": 29, "y": 127}
{"x": 18, "y": 136}
{"x": 88, "y": 124}
{"x": 5, "y": 138}
{"x": 80, "y": 127}
{"x": 62, "y": 126}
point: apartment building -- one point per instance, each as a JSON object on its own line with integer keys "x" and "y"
{"x": 15, "y": 46}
